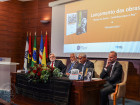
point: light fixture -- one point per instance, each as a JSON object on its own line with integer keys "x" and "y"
{"x": 44, "y": 21}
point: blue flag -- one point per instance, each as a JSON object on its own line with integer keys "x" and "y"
{"x": 41, "y": 50}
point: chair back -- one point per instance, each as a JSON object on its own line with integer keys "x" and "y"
{"x": 125, "y": 70}
{"x": 63, "y": 60}
{"x": 98, "y": 67}
{"x": 121, "y": 87}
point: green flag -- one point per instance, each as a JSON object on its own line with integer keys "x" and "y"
{"x": 34, "y": 57}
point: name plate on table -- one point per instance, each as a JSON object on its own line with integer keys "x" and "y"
{"x": 74, "y": 74}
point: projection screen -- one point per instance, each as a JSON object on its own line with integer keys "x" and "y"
{"x": 96, "y": 28}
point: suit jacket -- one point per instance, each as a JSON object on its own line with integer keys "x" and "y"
{"x": 88, "y": 64}
{"x": 74, "y": 66}
{"x": 59, "y": 64}
{"x": 116, "y": 75}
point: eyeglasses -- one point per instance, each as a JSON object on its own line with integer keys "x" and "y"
{"x": 52, "y": 57}
{"x": 80, "y": 58}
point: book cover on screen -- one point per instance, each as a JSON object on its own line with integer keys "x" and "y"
{"x": 81, "y": 22}
{"x": 71, "y": 23}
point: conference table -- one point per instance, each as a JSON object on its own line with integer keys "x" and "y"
{"x": 79, "y": 93}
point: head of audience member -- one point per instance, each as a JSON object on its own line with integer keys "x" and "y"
{"x": 52, "y": 57}
{"x": 72, "y": 57}
{"x": 112, "y": 57}
{"x": 82, "y": 58}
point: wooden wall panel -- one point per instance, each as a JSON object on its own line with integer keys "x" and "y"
{"x": 16, "y": 19}
{"x": 11, "y": 30}
{"x": 35, "y": 11}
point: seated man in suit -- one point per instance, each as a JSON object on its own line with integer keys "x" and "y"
{"x": 84, "y": 63}
{"x": 112, "y": 73}
{"x": 56, "y": 63}
{"x": 73, "y": 64}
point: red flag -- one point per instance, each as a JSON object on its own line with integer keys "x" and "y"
{"x": 30, "y": 52}
{"x": 45, "y": 45}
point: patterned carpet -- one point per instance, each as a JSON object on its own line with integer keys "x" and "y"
{"x": 5, "y": 95}
{"x": 127, "y": 102}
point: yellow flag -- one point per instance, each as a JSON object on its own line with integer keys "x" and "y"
{"x": 44, "y": 58}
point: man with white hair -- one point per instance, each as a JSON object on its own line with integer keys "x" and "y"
{"x": 56, "y": 63}
{"x": 84, "y": 63}
{"x": 73, "y": 64}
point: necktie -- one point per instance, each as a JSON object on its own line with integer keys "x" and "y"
{"x": 83, "y": 68}
{"x": 82, "y": 77}
{"x": 71, "y": 67}
{"x": 52, "y": 65}
{"x": 110, "y": 69}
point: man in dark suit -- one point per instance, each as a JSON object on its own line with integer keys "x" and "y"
{"x": 112, "y": 73}
{"x": 73, "y": 64}
{"x": 84, "y": 63}
{"x": 56, "y": 63}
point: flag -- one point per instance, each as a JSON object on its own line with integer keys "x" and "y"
{"x": 26, "y": 55}
{"x": 34, "y": 58}
{"x": 44, "y": 57}
{"x": 46, "y": 48}
{"x": 29, "y": 53}
{"x": 41, "y": 50}
{"x": 45, "y": 54}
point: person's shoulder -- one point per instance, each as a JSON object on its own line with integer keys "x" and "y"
{"x": 88, "y": 61}
{"x": 79, "y": 64}
{"x": 58, "y": 61}
{"x": 118, "y": 64}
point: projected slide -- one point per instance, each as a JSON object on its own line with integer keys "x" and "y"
{"x": 102, "y": 26}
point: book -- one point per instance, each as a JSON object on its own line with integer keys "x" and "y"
{"x": 81, "y": 22}
{"x": 74, "y": 74}
{"x": 88, "y": 74}
{"x": 71, "y": 21}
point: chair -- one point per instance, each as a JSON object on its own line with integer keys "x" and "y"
{"x": 121, "y": 87}
{"x": 98, "y": 67}
{"x": 63, "y": 60}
